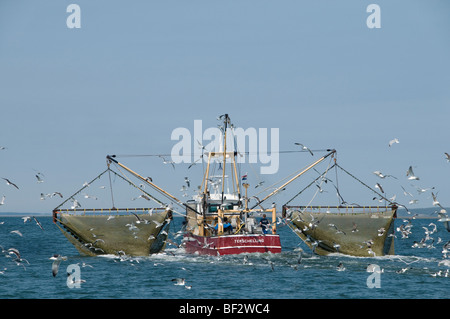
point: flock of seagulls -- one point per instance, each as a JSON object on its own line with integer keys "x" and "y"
{"x": 39, "y": 179}
{"x": 405, "y": 230}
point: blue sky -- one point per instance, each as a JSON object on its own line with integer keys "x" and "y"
{"x": 136, "y": 71}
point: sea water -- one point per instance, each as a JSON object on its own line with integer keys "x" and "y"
{"x": 258, "y": 276}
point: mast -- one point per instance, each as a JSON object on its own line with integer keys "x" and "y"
{"x": 224, "y": 153}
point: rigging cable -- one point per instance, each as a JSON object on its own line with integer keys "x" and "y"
{"x": 111, "y": 188}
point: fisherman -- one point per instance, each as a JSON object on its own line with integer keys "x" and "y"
{"x": 264, "y": 222}
{"x": 226, "y": 226}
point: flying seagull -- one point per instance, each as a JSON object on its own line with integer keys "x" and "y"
{"x": 377, "y": 185}
{"x": 381, "y": 175}
{"x": 179, "y": 281}
{"x": 167, "y": 162}
{"x": 57, "y": 193}
{"x": 195, "y": 162}
{"x": 16, "y": 232}
{"x": 304, "y": 148}
{"x": 55, "y": 265}
{"x": 411, "y": 175}
{"x": 435, "y": 201}
{"x": 405, "y": 192}
{"x": 10, "y": 183}
{"x": 26, "y": 219}
{"x": 394, "y": 141}
{"x": 38, "y": 223}
{"x": 447, "y": 156}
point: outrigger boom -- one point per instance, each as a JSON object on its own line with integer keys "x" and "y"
{"x": 110, "y": 158}
{"x": 332, "y": 152}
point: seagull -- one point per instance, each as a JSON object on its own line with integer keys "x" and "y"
{"x": 158, "y": 224}
{"x": 14, "y": 251}
{"x": 304, "y": 148}
{"x": 57, "y": 193}
{"x": 381, "y": 175}
{"x": 435, "y": 201}
{"x": 259, "y": 184}
{"x": 179, "y": 281}
{"x": 19, "y": 259}
{"x": 75, "y": 205}
{"x": 336, "y": 246}
{"x": 200, "y": 145}
{"x": 39, "y": 179}
{"x": 2, "y": 202}
{"x": 411, "y": 175}
{"x": 10, "y": 183}
{"x": 131, "y": 227}
{"x": 405, "y": 192}
{"x": 16, "y": 232}
{"x": 300, "y": 256}
{"x": 97, "y": 240}
{"x": 372, "y": 268}
{"x": 338, "y": 231}
{"x": 195, "y": 162}
{"x": 141, "y": 196}
{"x": 38, "y": 223}
{"x": 447, "y": 157}
{"x": 90, "y": 196}
{"x": 319, "y": 188}
{"x": 167, "y": 162}
{"x": 26, "y": 219}
{"x": 56, "y": 261}
{"x": 340, "y": 267}
{"x": 188, "y": 182}
{"x": 140, "y": 220}
{"x": 377, "y": 185}
{"x": 394, "y": 141}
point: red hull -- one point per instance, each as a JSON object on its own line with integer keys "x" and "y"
{"x": 232, "y": 244}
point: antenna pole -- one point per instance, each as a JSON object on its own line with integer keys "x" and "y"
{"x": 224, "y": 153}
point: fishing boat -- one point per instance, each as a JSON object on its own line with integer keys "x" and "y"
{"x": 128, "y": 231}
{"x": 219, "y": 220}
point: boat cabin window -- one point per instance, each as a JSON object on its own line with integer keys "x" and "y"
{"x": 214, "y": 208}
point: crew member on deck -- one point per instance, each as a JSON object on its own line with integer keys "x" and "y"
{"x": 264, "y": 222}
{"x": 226, "y": 226}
